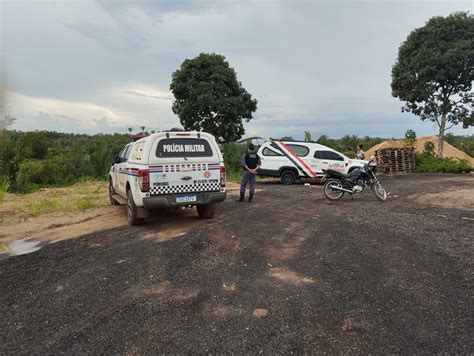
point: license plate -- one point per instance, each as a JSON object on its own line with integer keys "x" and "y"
{"x": 186, "y": 198}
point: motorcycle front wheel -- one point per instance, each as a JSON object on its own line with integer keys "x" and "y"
{"x": 379, "y": 191}
{"x": 330, "y": 192}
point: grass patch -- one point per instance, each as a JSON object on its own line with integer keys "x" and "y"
{"x": 83, "y": 203}
{"x": 42, "y": 206}
{"x": 87, "y": 179}
{"x": 4, "y": 185}
{"x": 78, "y": 197}
{"x": 88, "y": 201}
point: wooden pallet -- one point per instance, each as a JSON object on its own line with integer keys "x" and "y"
{"x": 396, "y": 160}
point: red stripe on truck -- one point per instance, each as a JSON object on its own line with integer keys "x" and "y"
{"x": 298, "y": 159}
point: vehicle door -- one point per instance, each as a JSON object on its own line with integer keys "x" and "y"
{"x": 116, "y": 168}
{"x": 302, "y": 153}
{"x": 121, "y": 168}
{"x": 271, "y": 159}
{"x": 326, "y": 159}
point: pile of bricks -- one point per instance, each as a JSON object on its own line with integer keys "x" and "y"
{"x": 395, "y": 160}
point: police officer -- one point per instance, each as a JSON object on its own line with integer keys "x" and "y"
{"x": 250, "y": 163}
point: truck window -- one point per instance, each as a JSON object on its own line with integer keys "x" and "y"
{"x": 301, "y": 151}
{"x": 268, "y": 152}
{"x": 183, "y": 147}
{"x": 137, "y": 152}
{"x": 125, "y": 153}
{"x": 330, "y": 155}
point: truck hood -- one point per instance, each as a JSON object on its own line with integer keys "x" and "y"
{"x": 359, "y": 162}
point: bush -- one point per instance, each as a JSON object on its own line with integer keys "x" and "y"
{"x": 350, "y": 154}
{"x": 428, "y": 163}
{"x": 429, "y": 148}
{"x": 83, "y": 203}
{"x": 4, "y": 185}
{"x": 41, "y": 173}
{"x": 233, "y": 153}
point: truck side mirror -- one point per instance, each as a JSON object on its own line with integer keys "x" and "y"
{"x": 113, "y": 159}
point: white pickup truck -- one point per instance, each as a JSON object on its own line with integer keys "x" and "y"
{"x": 168, "y": 169}
{"x": 291, "y": 160}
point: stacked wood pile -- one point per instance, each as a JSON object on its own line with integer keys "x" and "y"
{"x": 395, "y": 160}
{"x": 448, "y": 150}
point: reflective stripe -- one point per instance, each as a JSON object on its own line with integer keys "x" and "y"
{"x": 307, "y": 169}
{"x": 294, "y": 158}
{"x": 276, "y": 146}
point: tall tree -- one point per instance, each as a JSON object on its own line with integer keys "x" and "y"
{"x": 209, "y": 97}
{"x": 6, "y": 120}
{"x": 434, "y": 72}
{"x": 9, "y": 156}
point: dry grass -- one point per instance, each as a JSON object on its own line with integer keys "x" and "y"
{"x": 20, "y": 207}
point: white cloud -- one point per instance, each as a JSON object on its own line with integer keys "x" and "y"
{"x": 323, "y": 65}
{"x": 36, "y": 112}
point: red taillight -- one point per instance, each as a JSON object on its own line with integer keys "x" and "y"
{"x": 144, "y": 180}
{"x": 183, "y": 134}
{"x": 222, "y": 176}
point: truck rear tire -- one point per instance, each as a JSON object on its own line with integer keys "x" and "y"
{"x": 206, "y": 211}
{"x": 132, "y": 210}
{"x": 288, "y": 177}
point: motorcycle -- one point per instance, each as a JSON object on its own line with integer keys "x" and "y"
{"x": 354, "y": 182}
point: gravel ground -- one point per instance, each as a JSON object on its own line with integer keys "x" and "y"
{"x": 289, "y": 273}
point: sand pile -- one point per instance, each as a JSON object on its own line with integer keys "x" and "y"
{"x": 448, "y": 150}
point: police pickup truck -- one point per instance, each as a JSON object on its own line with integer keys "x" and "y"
{"x": 168, "y": 169}
{"x": 291, "y": 160}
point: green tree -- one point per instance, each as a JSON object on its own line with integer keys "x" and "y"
{"x": 326, "y": 141}
{"x": 6, "y": 121}
{"x": 348, "y": 142}
{"x": 8, "y": 152}
{"x": 208, "y": 97}
{"x": 307, "y": 136}
{"x": 434, "y": 72}
{"x": 410, "y": 139}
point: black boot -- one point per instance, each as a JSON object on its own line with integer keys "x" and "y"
{"x": 241, "y": 199}
{"x": 250, "y": 198}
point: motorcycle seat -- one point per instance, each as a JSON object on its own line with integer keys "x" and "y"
{"x": 337, "y": 173}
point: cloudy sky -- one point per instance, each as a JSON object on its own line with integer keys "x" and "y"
{"x": 103, "y": 66}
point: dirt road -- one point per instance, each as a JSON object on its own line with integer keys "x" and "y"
{"x": 289, "y": 273}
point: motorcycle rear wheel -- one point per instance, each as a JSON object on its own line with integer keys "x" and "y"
{"x": 329, "y": 192}
{"x": 379, "y": 191}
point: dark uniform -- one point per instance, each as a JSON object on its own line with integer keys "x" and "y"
{"x": 250, "y": 160}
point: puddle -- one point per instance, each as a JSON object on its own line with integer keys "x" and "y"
{"x": 19, "y": 247}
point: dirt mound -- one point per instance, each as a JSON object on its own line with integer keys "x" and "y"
{"x": 455, "y": 198}
{"x": 448, "y": 150}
